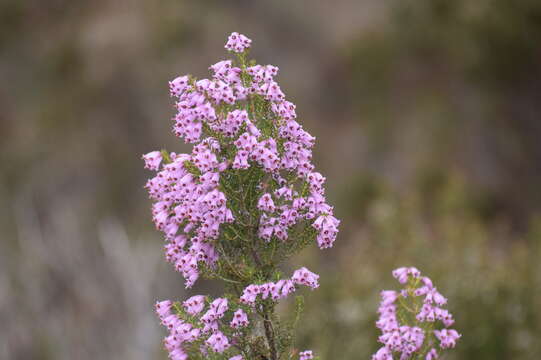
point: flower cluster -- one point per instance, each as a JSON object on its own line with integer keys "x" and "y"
{"x": 189, "y": 204}
{"x": 205, "y": 331}
{"x": 281, "y": 288}
{"x": 237, "y": 42}
{"x": 409, "y": 319}
{"x": 245, "y": 198}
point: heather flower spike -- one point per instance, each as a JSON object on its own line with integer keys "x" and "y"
{"x": 245, "y": 199}
{"x": 413, "y": 323}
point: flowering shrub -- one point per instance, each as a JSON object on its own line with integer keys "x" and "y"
{"x": 412, "y": 322}
{"x": 244, "y": 200}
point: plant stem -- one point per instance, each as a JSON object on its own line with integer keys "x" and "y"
{"x": 269, "y": 333}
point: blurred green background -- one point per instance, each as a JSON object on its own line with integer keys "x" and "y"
{"x": 427, "y": 114}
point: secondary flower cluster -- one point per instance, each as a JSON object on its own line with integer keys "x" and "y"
{"x": 280, "y": 289}
{"x": 190, "y": 203}
{"x": 409, "y": 319}
{"x": 243, "y": 129}
{"x": 204, "y": 330}
{"x": 208, "y": 328}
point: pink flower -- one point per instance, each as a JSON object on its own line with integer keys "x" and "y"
{"x": 287, "y": 288}
{"x": 218, "y": 342}
{"x": 328, "y": 229}
{"x": 265, "y": 203}
{"x": 401, "y": 274}
{"x": 388, "y": 297}
{"x": 306, "y": 355}
{"x": 240, "y": 319}
{"x": 219, "y": 306}
{"x": 447, "y": 337}
{"x": 432, "y": 354}
{"x": 249, "y": 294}
{"x": 178, "y": 354}
{"x": 383, "y": 354}
{"x": 178, "y": 85}
{"x": 195, "y": 304}
{"x": 152, "y": 160}
{"x": 303, "y": 276}
{"x": 237, "y": 42}
{"x": 163, "y": 308}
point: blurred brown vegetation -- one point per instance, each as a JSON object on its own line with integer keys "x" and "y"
{"x": 427, "y": 114}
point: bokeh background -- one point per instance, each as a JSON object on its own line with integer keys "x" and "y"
{"x": 428, "y": 119}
